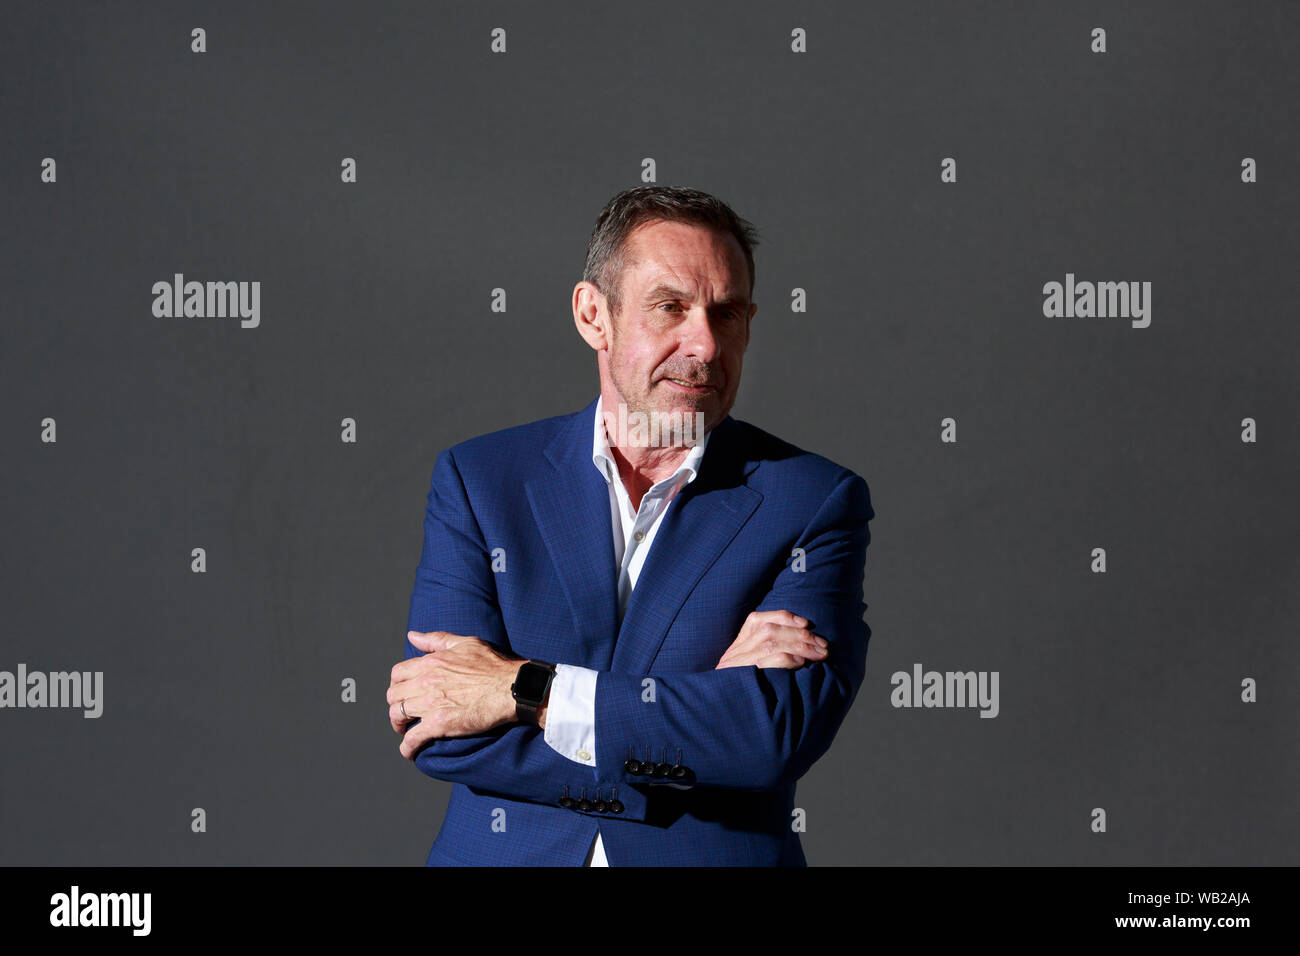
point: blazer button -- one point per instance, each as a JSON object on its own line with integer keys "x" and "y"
{"x": 633, "y": 767}
{"x": 677, "y": 771}
{"x": 600, "y": 806}
{"x": 616, "y": 806}
{"x": 584, "y": 804}
{"x": 661, "y": 770}
{"x": 567, "y": 802}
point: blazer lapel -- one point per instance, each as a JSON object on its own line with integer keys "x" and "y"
{"x": 570, "y": 503}
{"x": 700, "y": 522}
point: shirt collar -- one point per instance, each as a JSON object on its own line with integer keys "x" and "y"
{"x": 602, "y": 457}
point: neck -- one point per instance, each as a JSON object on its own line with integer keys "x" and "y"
{"x": 640, "y": 466}
{"x": 643, "y": 467}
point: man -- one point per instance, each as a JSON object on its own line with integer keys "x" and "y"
{"x": 626, "y": 643}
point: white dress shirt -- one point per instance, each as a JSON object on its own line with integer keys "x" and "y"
{"x": 571, "y": 710}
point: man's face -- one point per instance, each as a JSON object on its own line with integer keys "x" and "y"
{"x": 679, "y": 340}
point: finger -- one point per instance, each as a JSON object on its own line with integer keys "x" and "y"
{"x": 773, "y": 654}
{"x": 415, "y": 668}
{"x": 815, "y": 645}
{"x": 801, "y": 641}
{"x": 767, "y": 632}
{"x": 411, "y": 668}
{"x": 417, "y": 736}
{"x": 429, "y": 641}
{"x": 808, "y": 650}
{"x": 399, "y": 722}
{"x": 783, "y": 632}
{"x": 780, "y": 637}
{"x": 780, "y": 617}
{"x": 418, "y": 702}
{"x": 412, "y": 686}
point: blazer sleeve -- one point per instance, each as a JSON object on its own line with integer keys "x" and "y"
{"x": 757, "y": 728}
{"x": 455, "y": 591}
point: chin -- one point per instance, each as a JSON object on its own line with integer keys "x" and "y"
{"x": 691, "y": 404}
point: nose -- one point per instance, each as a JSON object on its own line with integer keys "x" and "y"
{"x": 699, "y": 340}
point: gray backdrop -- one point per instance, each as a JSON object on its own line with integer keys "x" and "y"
{"x": 478, "y": 170}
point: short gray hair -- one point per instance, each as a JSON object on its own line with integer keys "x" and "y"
{"x": 606, "y": 250}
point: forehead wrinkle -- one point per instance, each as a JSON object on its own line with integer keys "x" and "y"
{"x": 662, "y": 289}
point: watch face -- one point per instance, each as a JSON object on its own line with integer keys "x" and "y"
{"x": 530, "y": 684}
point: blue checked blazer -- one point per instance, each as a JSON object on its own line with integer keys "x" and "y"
{"x": 727, "y": 546}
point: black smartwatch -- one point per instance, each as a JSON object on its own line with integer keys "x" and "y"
{"x": 532, "y": 684}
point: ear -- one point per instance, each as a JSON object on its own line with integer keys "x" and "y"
{"x": 591, "y": 315}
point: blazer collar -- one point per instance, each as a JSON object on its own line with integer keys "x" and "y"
{"x": 570, "y": 502}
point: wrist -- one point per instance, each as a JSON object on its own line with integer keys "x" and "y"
{"x": 524, "y": 692}
{"x": 509, "y": 713}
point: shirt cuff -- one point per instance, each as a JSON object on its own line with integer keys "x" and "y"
{"x": 571, "y": 714}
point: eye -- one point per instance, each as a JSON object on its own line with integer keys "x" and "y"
{"x": 671, "y": 305}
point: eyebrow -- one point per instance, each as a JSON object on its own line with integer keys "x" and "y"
{"x": 663, "y": 290}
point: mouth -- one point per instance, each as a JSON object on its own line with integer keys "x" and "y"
{"x": 690, "y": 387}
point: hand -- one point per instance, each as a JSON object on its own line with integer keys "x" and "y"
{"x": 459, "y": 688}
{"x": 774, "y": 639}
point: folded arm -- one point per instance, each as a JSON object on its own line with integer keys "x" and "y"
{"x": 756, "y": 728}
{"x": 455, "y": 591}
{"x": 741, "y": 727}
